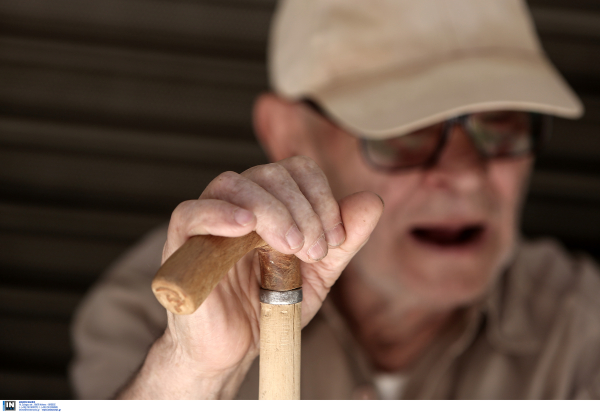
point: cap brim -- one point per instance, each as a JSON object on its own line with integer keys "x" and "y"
{"x": 398, "y": 102}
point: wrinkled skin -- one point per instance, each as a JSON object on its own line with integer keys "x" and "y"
{"x": 206, "y": 354}
{"x": 320, "y": 185}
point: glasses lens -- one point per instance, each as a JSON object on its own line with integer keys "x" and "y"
{"x": 502, "y": 133}
{"x": 410, "y": 150}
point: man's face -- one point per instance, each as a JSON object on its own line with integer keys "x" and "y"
{"x": 446, "y": 232}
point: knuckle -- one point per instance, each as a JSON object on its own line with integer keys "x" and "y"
{"x": 308, "y": 166}
{"x": 277, "y": 208}
{"x": 179, "y": 217}
{"x": 227, "y": 178}
{"x": 272, "y": 172}
{"x": 303, "y": 162}
{"x": 317, "y": 173}
{"x": 226, "y": 181}
{"x": 181, "y": 210}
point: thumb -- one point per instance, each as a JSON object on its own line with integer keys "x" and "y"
{"x": 360, "y": 213}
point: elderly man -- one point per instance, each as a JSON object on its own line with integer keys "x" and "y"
{"x": 436, "y": 108}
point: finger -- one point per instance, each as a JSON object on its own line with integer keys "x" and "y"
{"x": 276, "y": 180}
{"x": 274, "y": 222}
{"x": 206, "y": 217}
{"x": 314, "y": 185}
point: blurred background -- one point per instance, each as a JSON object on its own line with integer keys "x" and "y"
{"x": 114, "y": 111}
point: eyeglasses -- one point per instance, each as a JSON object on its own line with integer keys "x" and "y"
{"x": 495, "y": 134}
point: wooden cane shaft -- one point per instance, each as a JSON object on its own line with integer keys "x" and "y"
{"x": 279, "y": 351}
{"x": 186, "y": 279}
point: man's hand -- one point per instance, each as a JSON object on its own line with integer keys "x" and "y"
{"x": 206, "y": 355}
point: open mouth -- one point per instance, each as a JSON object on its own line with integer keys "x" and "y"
{"x": 449, "y": 237}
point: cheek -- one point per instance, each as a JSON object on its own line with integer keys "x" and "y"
{"x": 510, "y": 179}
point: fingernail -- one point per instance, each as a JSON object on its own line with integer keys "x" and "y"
{"x": 381, "y": 198}
{"x": 294, "y": 237}
{"x": 336, "y": 235}
{"x": 243, "y": 216}
{"x": 319, "y": 249}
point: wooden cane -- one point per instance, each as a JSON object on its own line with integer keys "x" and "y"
{"x": 186, "y": 279}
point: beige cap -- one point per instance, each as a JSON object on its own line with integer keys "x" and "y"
{"x": 385, "y": 67}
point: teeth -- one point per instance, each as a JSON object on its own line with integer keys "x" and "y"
{"x": 448, "y": 237}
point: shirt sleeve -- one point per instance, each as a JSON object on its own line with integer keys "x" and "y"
{"x": 117, "y": 322}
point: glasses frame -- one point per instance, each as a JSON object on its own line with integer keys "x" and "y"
{"x": 540, "y": 133}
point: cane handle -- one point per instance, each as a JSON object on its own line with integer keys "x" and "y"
{"x": 186, "y": 279}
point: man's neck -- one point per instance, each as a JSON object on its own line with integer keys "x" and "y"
{"x": 393, "y": 332}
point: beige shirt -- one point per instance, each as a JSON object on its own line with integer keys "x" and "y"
{"x": 535, "y": 336}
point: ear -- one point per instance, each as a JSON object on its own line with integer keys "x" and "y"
{"x": 276, "y": 124}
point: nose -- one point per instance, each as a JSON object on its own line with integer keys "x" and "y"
{"x": 459, "y": 167}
